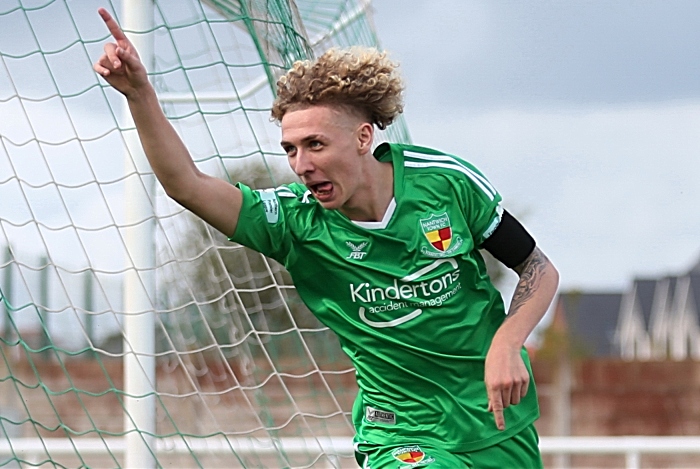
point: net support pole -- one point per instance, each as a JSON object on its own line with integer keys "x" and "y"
{"x": 139, "y": 288}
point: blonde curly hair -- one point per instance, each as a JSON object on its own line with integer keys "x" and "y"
{"x": 361, "y": 79}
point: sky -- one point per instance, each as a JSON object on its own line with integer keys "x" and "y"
{"x": 584, "y": 114}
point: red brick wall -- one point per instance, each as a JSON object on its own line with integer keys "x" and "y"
{"x": 615, "y": 397}
{"x": 607, "y": 397}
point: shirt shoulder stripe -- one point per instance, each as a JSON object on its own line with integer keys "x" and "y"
{"x": 446, "y": 161}
{"x": 450, "y": 159}
{"x": 474, "y": 175}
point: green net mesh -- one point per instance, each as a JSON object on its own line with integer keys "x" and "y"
{"x": 244, "y": 376}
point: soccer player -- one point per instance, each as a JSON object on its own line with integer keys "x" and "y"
{"x": 383, "y": 247}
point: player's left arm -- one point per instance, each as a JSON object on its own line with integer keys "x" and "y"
{"x": 505, "y": 375}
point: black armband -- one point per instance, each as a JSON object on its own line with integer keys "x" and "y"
{"x": 510, "y": 243}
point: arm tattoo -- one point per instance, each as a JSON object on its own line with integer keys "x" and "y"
{"x": 530, "y": 272}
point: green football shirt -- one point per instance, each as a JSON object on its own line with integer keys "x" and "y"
{"x": 409, "y": 296}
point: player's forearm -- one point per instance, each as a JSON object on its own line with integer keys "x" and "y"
{"x": 534, "y": 293}
{"x": 169, "y": 158}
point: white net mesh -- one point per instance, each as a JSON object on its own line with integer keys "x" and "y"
{"x": 245, "y": 375}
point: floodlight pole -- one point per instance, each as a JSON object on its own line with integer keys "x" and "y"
{"x": 139, "y": 288}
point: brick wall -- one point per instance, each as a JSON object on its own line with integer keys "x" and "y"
{"x": 605, "y": 397}
{"x": 615, "y": 397}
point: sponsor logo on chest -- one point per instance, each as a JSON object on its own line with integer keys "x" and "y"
{"x": 405, "y": 299}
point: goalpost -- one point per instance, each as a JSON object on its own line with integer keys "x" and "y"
{"x": 132, "y": 334}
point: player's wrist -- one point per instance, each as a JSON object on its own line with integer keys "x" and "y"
{"x": 141, "y": 93}
{"x": 507, "y": 342}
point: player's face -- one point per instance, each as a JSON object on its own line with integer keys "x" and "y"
{"x": 323, "y": 146}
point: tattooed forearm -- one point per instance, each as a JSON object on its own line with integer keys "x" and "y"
{"x": 530, "y": 271}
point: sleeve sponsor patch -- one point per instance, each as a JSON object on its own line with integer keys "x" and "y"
{"x": 494, "y": 224}
{"x": 271, "y": 205}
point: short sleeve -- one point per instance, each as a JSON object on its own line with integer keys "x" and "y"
{"x": 262, "y": 223}
{"x": 481, "y": 203}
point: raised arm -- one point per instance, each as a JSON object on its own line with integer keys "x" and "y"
{"x": 215, "y": 201}
{"x": 506, "y": 377}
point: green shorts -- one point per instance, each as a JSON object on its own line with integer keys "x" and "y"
{"x": 519, "y": 452}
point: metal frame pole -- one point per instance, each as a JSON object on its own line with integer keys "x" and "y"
{"x": 7, "y": 293}
{"x": 139, "y": 288}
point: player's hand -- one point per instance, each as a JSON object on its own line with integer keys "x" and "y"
{"x": 506, "y": 378}
{"x": 120, "y": 64}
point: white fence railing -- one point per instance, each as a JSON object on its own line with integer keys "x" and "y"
{"x": 632, "y": 447}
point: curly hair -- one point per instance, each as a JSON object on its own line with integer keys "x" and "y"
{"x": 361, "y": 79}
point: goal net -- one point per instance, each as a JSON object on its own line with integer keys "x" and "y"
{"x": 131, "y": 333}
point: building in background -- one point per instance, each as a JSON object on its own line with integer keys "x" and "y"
{"x": 654, "y": 319}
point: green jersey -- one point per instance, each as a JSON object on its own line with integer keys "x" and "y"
{"x": 408, "y": 296}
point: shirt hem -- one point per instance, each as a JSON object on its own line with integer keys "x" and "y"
{"x": 462, "y": 448}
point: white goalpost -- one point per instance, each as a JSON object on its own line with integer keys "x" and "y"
{"x": 139, "y": 282}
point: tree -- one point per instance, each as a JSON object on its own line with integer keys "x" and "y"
{"x": 224, "y": 298}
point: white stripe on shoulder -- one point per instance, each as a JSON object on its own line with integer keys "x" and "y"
{"x": 450, "y": 159}
{"x": 459, "y": 168}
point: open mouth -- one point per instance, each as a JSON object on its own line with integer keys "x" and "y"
{"x": 322, "y": 191}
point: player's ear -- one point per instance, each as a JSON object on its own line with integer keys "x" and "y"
{"x": 365, "y": 136}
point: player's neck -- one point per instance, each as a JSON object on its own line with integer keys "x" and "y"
{"x": 372, "y": 200}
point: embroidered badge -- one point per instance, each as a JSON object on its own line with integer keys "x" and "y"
{"x": 411, "y": 455}
{"x": 438, "y": 231}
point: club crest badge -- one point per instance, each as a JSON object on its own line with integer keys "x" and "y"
{"x": 411, "y": 455}
{"x": 438, "y": 231}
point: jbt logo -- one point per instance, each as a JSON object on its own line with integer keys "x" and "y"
{"x": 357, "y": 250}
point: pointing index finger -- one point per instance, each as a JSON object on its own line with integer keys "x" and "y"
{"x": 112, "y": 25}
{"x": 496, "y": 406}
